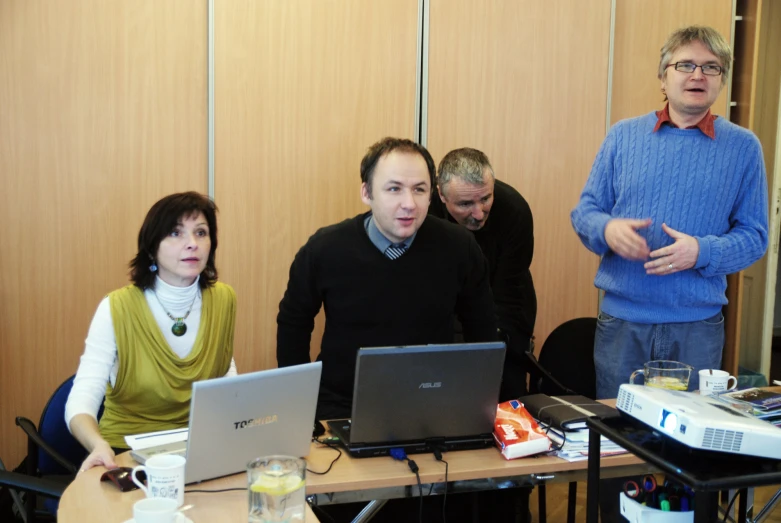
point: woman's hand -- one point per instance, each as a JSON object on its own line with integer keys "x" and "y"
{"x": 101, "y": 455}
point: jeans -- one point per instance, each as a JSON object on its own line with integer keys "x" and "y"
{"x": 622, "y": 347}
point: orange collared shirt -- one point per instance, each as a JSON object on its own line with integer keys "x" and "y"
{"x": 705, "y": 125}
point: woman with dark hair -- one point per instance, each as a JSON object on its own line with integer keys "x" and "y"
{"x": 149, "y": 341}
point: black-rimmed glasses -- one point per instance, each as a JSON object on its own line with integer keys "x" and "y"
{"x": 688, "y": 67}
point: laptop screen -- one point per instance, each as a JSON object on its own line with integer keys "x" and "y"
{"x": 427, "y": 391}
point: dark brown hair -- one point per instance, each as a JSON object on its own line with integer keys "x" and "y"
{"x": 387, "y": 146}
{"x": 163, "y": 218}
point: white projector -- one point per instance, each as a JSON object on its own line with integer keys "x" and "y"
{"x": 700, "y": 422}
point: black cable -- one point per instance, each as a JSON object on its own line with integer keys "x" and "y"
{"x": 213, "y": 491}
{"x": 729, "y": 507}
{"x": 414, "y": 468}
{"x": 327, "y": 444}
{"x": 438, "y": 457}
{"x": 555, "y": 448}
{"x": 399, "y": 454}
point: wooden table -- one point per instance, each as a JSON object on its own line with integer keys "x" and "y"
{"x": 88, "y": 500}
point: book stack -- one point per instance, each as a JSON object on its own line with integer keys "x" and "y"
{"x": 762, "y": 403}
{"x": 563, "y": 418}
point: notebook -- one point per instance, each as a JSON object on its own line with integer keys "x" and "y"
{"x": 421, "y": 397}
{"x": 565, "y": 413}
{"x": 239, "y": 418}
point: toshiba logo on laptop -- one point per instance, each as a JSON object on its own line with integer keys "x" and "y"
{"x": 254, "y": 422}
{"x": 431, "y": 385}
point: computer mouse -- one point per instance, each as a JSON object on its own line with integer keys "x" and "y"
{"x": 121, "y": 477}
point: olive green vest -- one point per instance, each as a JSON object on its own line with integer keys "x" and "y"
{"x": 153, "y": 385}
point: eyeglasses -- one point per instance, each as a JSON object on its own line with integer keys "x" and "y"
{"x": 688, "y": 67}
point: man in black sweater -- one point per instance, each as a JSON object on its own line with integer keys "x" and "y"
{"x": 391, "y": 276}
{"x": 467, "y": 193}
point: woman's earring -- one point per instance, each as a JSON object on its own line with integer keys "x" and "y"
{"x": 153, "y": 267}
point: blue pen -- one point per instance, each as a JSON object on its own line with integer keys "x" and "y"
{"x": 684, "y": 503}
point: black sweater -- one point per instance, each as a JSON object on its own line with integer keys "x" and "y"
{"x": 373, "y": 301}
{"x": 507, "y": 240}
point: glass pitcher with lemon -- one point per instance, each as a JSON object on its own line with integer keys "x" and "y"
{"x": 277, "y": 489}
{"x": 664, "y": 374}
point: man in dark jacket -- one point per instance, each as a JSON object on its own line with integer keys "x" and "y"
{"x": 501, "y": 221}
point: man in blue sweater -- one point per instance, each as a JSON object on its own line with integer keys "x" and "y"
{"x": 676, "y": 200}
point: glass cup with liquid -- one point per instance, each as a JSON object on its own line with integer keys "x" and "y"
{"x": 277, "y": 489}
{"x": 664, "y": 374}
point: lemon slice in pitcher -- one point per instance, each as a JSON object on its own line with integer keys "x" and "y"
{"x": 278, "y": 486}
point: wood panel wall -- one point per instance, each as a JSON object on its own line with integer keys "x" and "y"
{"x": 102, "y": 112}
{"x": 503, "y": 80}
{"x": 302, "y": 89}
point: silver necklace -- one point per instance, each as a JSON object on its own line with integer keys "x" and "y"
{"x": 179, "y": 328}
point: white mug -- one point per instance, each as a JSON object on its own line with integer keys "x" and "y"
{"x": 164, "y": 477}
{"x": 157, "y": 510}
{"x": 716, "y": 381}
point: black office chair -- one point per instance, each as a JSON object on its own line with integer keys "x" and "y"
{"x": 567, "y": 360}
{"x": 16, "y": 482}
{"x": 52, "y": 453}
{"x": 565, "y": 367}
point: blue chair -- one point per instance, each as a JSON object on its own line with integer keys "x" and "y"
{"x": 52, "y": 452}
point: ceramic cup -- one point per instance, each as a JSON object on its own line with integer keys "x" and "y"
{"x": 157, "y": 510}
{"x": 164, "y": 477}
{"x": 716, "y": 381}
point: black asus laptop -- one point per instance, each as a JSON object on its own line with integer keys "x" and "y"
{"x": 423, "y": 397}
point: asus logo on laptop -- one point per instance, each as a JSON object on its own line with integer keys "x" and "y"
{"x": 431, "y": 385}
{"x": 256, "y": 421}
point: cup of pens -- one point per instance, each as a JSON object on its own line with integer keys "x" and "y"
{"x": 641, "y": 500}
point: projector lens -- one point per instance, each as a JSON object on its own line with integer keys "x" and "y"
{"x": 669, "y": 421}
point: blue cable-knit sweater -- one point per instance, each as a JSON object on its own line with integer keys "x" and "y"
{"x": 713, "y": 190}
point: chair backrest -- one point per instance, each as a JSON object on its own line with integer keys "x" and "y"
{"x": 54, "y": 431}
{"x": 568, "y": 354}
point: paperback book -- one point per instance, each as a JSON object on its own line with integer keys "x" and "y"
{"x": 761, "y": 399}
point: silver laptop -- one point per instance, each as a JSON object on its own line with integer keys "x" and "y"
{"x": 421, "y": 397}
{"x": 238, "y": 418}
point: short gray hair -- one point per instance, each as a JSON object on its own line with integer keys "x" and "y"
{"x": 708, "y": 37}
{"x": 467, "y": 164}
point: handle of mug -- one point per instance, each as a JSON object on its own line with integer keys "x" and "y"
{"x": 634, "y": 374}
{"x": 136, "y": 480}
{"x": 734, "y": 383}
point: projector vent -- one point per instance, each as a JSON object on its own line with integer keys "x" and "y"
{"x": 625, "y": 400}
{"x": 726, "y": 440}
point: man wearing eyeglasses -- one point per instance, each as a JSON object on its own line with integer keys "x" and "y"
{"x": 676, "y": 200}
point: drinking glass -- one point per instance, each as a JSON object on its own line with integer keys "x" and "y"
{"x": 277, "y": 489}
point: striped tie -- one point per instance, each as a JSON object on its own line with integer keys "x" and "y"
{"x": 395, "y": 250}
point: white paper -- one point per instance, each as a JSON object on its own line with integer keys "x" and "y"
{"x": 153, "y": 439}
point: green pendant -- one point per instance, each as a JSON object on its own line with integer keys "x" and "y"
{"x": 179, "y": 328}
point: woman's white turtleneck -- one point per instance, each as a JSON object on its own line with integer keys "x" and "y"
{"x": 99, "y": 362}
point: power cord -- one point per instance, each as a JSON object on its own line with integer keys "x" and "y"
{"x": 438, "y": 457}
{"x": 400, "y": 455}
{"x": 729, "y": 507}
{"x": 214, "y": 491}
{"x": 327, "y": 444}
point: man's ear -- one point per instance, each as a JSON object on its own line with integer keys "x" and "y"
{"x": 439, "y": 192}
{"x": 365, "y": 196}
